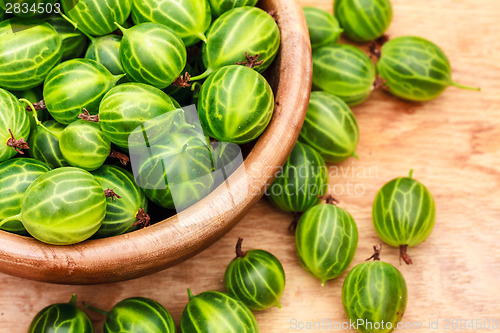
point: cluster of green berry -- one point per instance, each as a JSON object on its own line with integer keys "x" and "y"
{"x": 326, "y": 236}
{"x": 255, "y": 280}
{"x": 105, "y": 79}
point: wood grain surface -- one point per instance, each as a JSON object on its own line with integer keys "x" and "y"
{"x": 453, "y": 143}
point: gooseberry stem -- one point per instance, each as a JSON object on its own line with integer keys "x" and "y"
{"x": 202, "y": 76}
{"x": 376, "y": 255}
{"x": 202, "y": 37}
{"x": 35, "y": 116}
{"x": 190, "y": 294}
{"x": 73, "y": 23}
{"x": 403, "y": 255}
{"x": 239, "y": 252}
{"x": 72, "y": 301}
{"x": 12, "y": 218}
{"x": 461, "y": 86}
{"x": 411, "y": 174}
{"x": 92, "y": 308}
{"x": 122, "y": 29}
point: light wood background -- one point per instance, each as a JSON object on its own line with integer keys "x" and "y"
{"x": 453, "y": 143}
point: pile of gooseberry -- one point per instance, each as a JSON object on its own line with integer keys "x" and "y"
{"x": 79, "y": 89}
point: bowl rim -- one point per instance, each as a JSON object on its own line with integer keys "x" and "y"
{"x": 176, "y": 239}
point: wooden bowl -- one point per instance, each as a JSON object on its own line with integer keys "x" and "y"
{"x": 176, "y": 239}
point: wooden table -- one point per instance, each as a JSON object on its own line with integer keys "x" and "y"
{"x": 453, "y": 143}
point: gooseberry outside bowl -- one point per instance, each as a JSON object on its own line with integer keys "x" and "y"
{"x": 175, "y": 239}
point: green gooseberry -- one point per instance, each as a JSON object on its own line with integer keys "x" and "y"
{"x": 176, "y": 171}
{"x": 415, "y": 69}
{"x": 75, "y": 85}
{"x": 152, "y": 54}
{"x": 62, "y": 207}
{"x": 129, "y": 106}
{"x": 326, "y": 239}
{"x": 16, "y": 175}
{"x": 213, "y": 311}
{"x": 61, "y": 318}
{"x": 404, "y": 214}
{"x": 235, "y": 104}
{"x": 97, "y": 17}
{"x": 15, "y": 125}
{"x": 219, "y": 7}
{"x": 84, "y": 145}
{"x": 74, "y": 41}
{"x": 330, "y": 127}
{"x": 344, "y": 71}
{"x": 137, "y": 315}
{"x": 301, "y": 182}
{"x": 33, "y": 95}
{"x": 44, "y": 144}
{"x": 21, "y": 41}
{"x": 363, "y": 20}
{"x": 189, "y": 19}
{"x": 374, "y": 295}
{"x": 256, "y": 278}
{"x": 127, "y": 205}
{"x": 106, "y": 51}
{"x": 324, "y": 29}
{"x": 237, "y": 36}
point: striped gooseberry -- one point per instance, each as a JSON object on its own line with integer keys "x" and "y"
{"x": 256, "y": 278}
{"x": 326, "y": 239}
{"x": 374, "y": 295}
{"x": 97, "y": 17}
{"x": 152, "y": 54}
{"x": 213, "y": 311}
{"x": 75, "y": 85}
{"x": 238, "y": 36}
{"x": 137, "y": 314}
{"x": 84, "y": 145}
{"x": 301, "y": 182}
{"x": 344, "y": 71}
{"x": 189, "y": 19}
{"x": 404, "y": 214}
{"x": 415, "y": 69}
{"x": 127, "y": 206}
{"x": 73, "y": 40}
{"x": 235, "y": 104}
{"x": 330, "y": 127}
{"x": 363, "y": 20}
{"x": 16, "y": 175}
{"x": 14, "y": 127}
{"x": 21, "y": 41}
{"x": 324, "y": 29}
{"x": 62, "y": 207}
{"x": 61, "y": 317}
{"x": 128, "y": 106}
{"x": 44, "y": 145}
{"x": 106, "y": 51}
